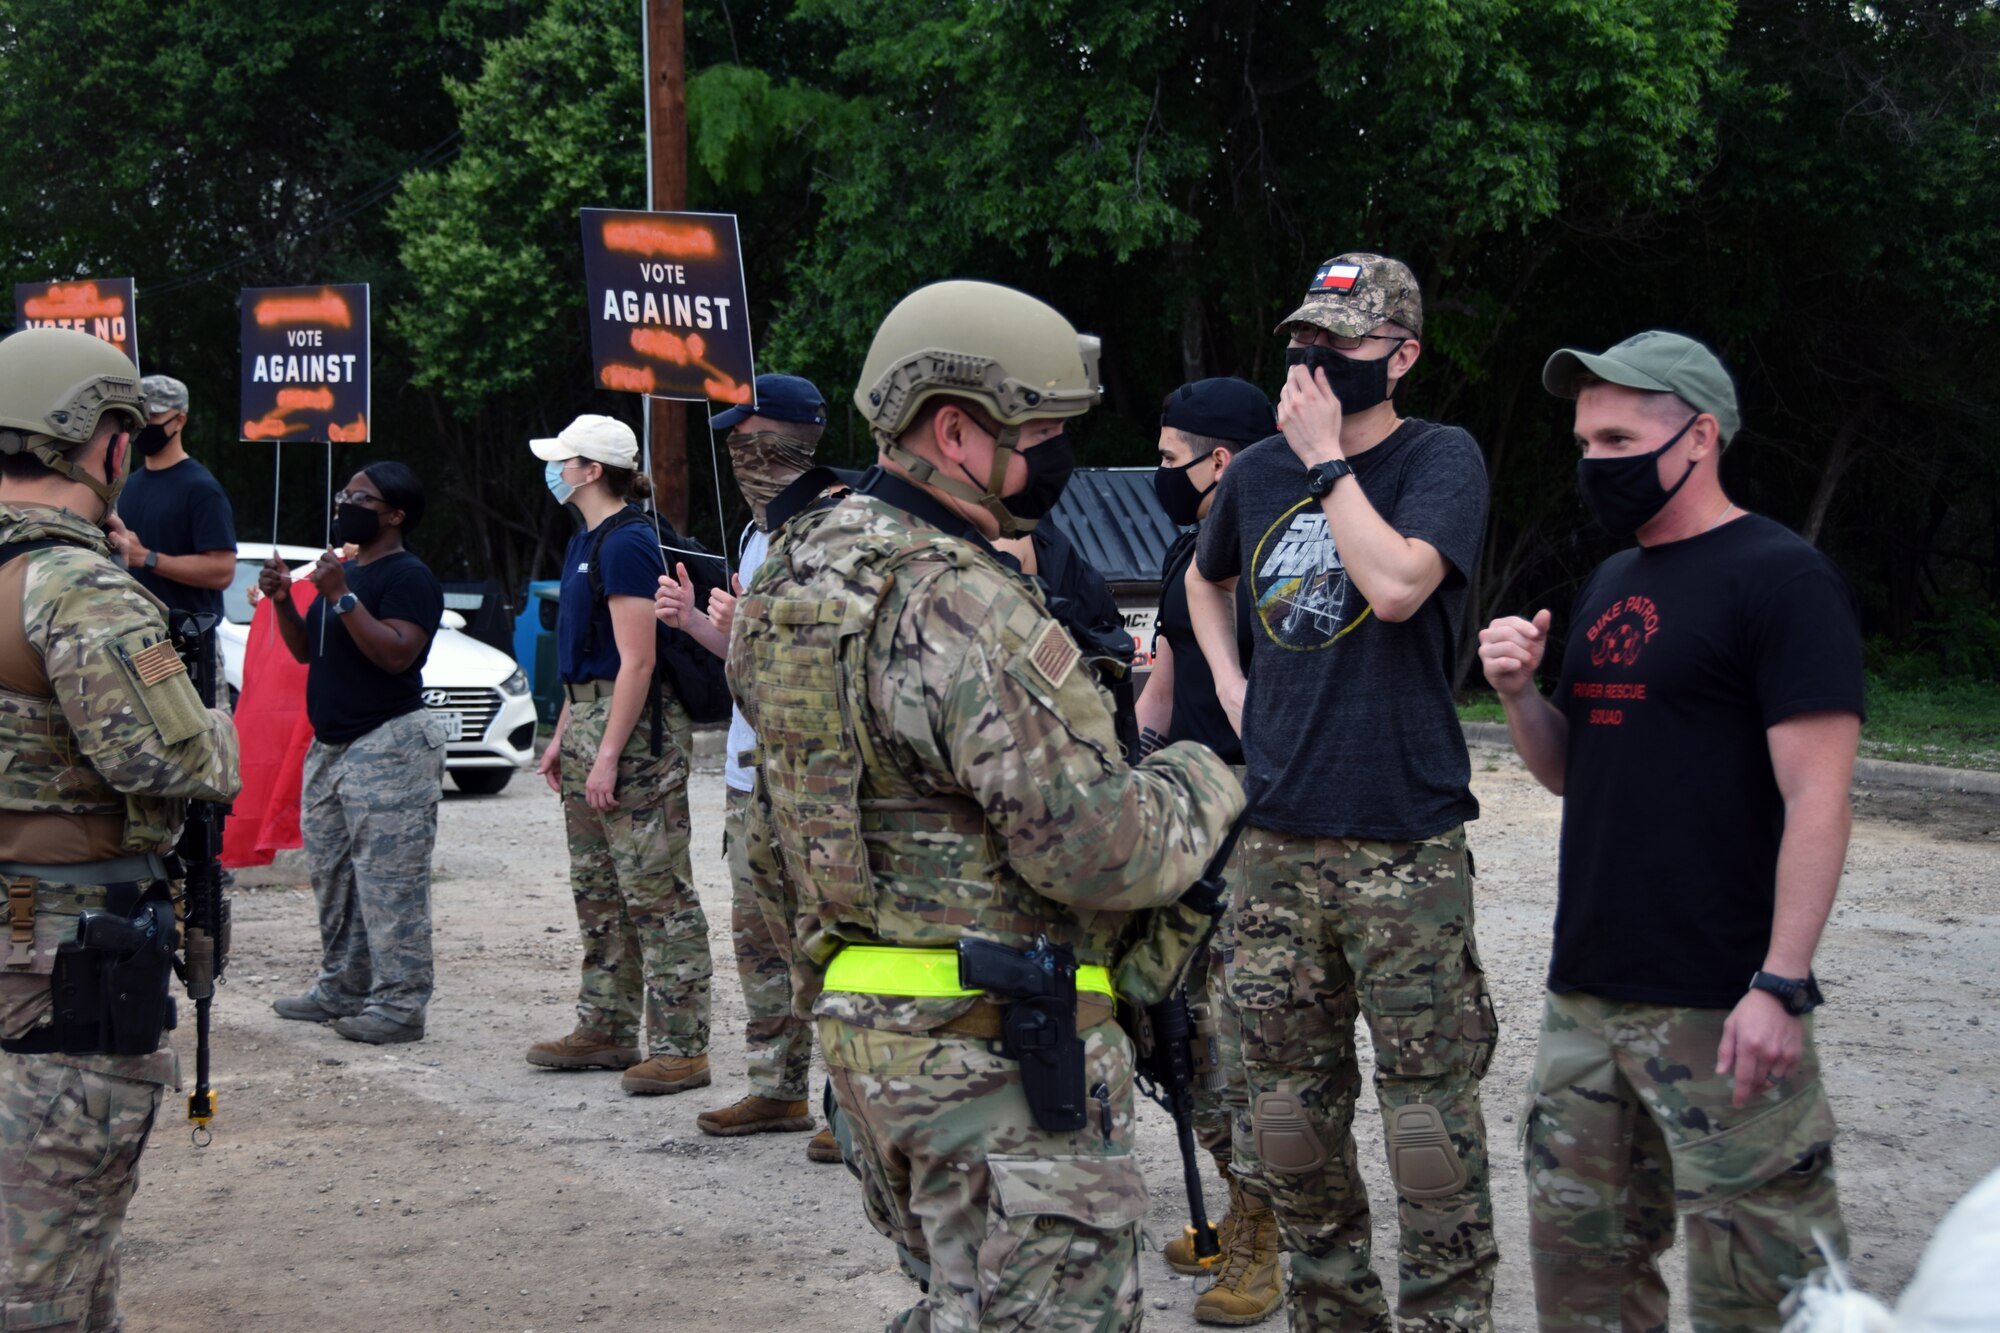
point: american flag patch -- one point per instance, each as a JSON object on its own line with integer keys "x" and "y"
{"x": 1054, "y": 654}
{"x": 157, "y": 663}
{"x": 1334, "y": 278}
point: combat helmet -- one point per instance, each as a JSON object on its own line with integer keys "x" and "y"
{"x": 1014, "y": 355}
{"x": 55, "y": 384}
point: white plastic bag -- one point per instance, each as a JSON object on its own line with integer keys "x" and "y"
{"x": 1956, "y": 1288}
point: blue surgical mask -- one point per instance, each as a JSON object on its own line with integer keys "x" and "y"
{"x": 553, "y": 476}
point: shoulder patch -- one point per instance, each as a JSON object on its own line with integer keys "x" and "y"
{"x": 1055, "y": 654}
{"x": 157, "y": 663}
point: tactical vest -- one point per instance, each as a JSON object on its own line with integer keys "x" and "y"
{"x": 55, "y": 809}
{"x": 878, "y": 854}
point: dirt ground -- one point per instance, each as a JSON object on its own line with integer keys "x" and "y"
{"x": 448, "y": 1185}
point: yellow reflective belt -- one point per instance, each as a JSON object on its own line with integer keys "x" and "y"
{"x": 878, "y": 969}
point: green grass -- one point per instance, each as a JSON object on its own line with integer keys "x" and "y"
{"x": 1949, "y": 723}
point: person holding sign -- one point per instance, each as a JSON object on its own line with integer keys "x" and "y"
{"x": 375, "y": 771}
{"x": 619, "y": 762}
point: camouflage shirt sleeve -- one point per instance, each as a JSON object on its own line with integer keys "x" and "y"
{"x": 129, "y": 702}
{"x": 988, "y": 694}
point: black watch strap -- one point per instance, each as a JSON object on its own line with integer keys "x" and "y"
{"x": 1320, "y": 477}
{"x": 1799, "y": 996}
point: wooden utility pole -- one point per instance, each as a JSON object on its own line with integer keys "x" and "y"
{"x": 666, "y": 190}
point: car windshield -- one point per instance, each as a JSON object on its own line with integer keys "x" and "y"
{"x": 236, "y": 597}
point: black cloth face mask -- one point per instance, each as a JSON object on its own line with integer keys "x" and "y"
{"x": 356, "y": 523}
{"x": 151, "y": 438}
{"x": 1049, "y": 465}
{"x": 1177, "y": 494}
{"x": 1359, "y": 385}
{"x": 1624, "y": 493}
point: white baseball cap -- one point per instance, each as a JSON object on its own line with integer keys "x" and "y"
{"x": 603, "y": 440}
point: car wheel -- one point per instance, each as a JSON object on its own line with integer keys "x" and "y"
{"x": 482, "y": 781}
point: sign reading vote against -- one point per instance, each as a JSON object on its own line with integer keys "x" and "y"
{"x": 101, "y": 307}
{"x": 667, "y": 315}
{"x": 305, "y": 363}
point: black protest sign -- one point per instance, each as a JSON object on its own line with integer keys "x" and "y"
{"x": 305, "y": 363}
{"x": 667, "y": 309}
{"x": 101, "y": 307}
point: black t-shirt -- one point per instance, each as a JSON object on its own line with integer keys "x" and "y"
{"x": 348, "y": 696}
{"x": 1349, "y": 728}
{"x": 1679, "y": 658}
{"x": 179, "y": 510}
{"x": 1198, "y": 714}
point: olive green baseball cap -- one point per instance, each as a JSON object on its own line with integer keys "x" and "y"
{"x": 1658, "y": 362}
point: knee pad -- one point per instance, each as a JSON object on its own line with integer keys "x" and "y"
{"x": 1423, "y": 1161}
{"x": 1284, "y": 1135}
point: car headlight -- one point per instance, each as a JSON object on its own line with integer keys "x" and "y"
{"x": 516, "y": 683}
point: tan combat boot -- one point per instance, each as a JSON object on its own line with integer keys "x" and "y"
{"x": 754, "y": 1115}
{"x": 1246, "y": 1288}
{"x": 666, "y": 1073}
{"x": 1179, "y": 1253}
{"x": 824, "y": 1148}
{"x": 583, "y": 1050}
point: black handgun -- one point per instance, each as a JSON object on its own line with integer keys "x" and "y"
{"x": 1039, "y": 1029}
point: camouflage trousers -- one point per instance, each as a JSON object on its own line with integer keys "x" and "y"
{"x": 1326, "y": 927}
{"x": 70, "y": 1138}
{"x": 777, "y": 1042}
{"x": 368, "y": 814}
{"x": 1220, "y": 1099}
{"x": 1022, "y": 1229}
{"x": 1628, "y": 1126}
{"x": 645, "y": 940}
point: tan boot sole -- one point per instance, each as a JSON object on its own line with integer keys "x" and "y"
{"x": 776, "y": 1125}
{"x": 656, "y": 1087}
{"x": 1237, "y": 1320}
{"x": 623, "y": 1057}
{"x": 824, "y": 1156}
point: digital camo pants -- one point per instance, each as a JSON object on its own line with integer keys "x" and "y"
{"x": 368, "y": 814}
{"x": 645, "y": 940}
{"x": 778, "y": 1043}
{"x": 1023, "y": 1229}
{"x": 1629, "y": 1126}
{"x": 1327, "y": 927}
{"x": 70, "y": 1138}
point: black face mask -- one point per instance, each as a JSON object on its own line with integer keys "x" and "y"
{"x": 151, "y": 439}
{"x": 1625, "y": 492}
{"x": 356, "y": 523}
{"x": 1049, "y": 465}
{"x": 1177, "y": 493}
{"x": 1359, "y": 385}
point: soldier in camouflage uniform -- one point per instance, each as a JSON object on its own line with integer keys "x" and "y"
{"x": 1355, "y": 530}
{"x": 106, "y": 739}
{"x": 1715, "y": 670}
{"x": 941, "y": 769}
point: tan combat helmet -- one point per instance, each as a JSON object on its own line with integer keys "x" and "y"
{"x": 54, "y": 386}
{"x": 1012, "y": 354}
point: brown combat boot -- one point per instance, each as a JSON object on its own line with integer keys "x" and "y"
{"x": 582, "y": 1049}
{"x": 1179, "y": 1253}
{"x": 824, "y": 1148}
{"x": 754, "y": 1115}
{"x": 1246, "y": 1288}
{"x": 666, "y": 1073}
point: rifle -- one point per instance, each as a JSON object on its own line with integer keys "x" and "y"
{"x": 1165, "y": 1037}
{"x": 195, "y": 863}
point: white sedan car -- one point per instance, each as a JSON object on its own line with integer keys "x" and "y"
{"x": 478, "y": 692}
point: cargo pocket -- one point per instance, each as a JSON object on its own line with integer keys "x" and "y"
{"x": 1713, "y": 1171}
{"x": 25, "y": 997}
{"x": 1403, "y": 1019}
{"x": 1063, "y": 1234}
{"x": 1479, "y": 1025}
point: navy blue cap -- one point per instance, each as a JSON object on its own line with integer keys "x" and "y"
{"x": 780, "y": 398}
{"x": 1221, "y": 409}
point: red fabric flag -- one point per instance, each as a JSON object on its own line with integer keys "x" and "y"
{"x": 272, "y": 727}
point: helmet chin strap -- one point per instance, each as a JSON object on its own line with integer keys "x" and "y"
{"x": 925, "y": 473}
{"x": 38, "y": 445}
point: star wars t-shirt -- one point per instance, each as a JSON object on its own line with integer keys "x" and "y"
{"x": 1679, "y": 658}
{"x": 1349, "y": 729}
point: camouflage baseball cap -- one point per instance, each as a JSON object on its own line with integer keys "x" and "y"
{"x": 163, "y": 393}
{"x": 1658, "y": 362}
{"x": 1354, "y": 292}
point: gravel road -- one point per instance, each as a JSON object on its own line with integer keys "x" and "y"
{"x": 448, "y": 1185}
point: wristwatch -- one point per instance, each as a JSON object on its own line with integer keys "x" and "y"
{"x": 1799, "y": 996}
{"x": 1321, "y": 476}
{"x": 152, "y": 560}
{"x": 348, "y": 601}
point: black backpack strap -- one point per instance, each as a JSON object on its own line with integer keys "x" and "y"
{"x": 593, "y": 561}
{"x": 9, "y": 550}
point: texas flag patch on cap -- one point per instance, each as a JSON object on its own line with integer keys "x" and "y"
{"x": 1334, "y": 278}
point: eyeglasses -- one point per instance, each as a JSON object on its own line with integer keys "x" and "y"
{"x": 365, "y": 499}
{"x": 1311, "y": 333}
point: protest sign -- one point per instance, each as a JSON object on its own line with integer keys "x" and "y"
{"x": 305, "y": 363}
{"x": 101, "y": 307}
{"x": 668, "y": 316}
